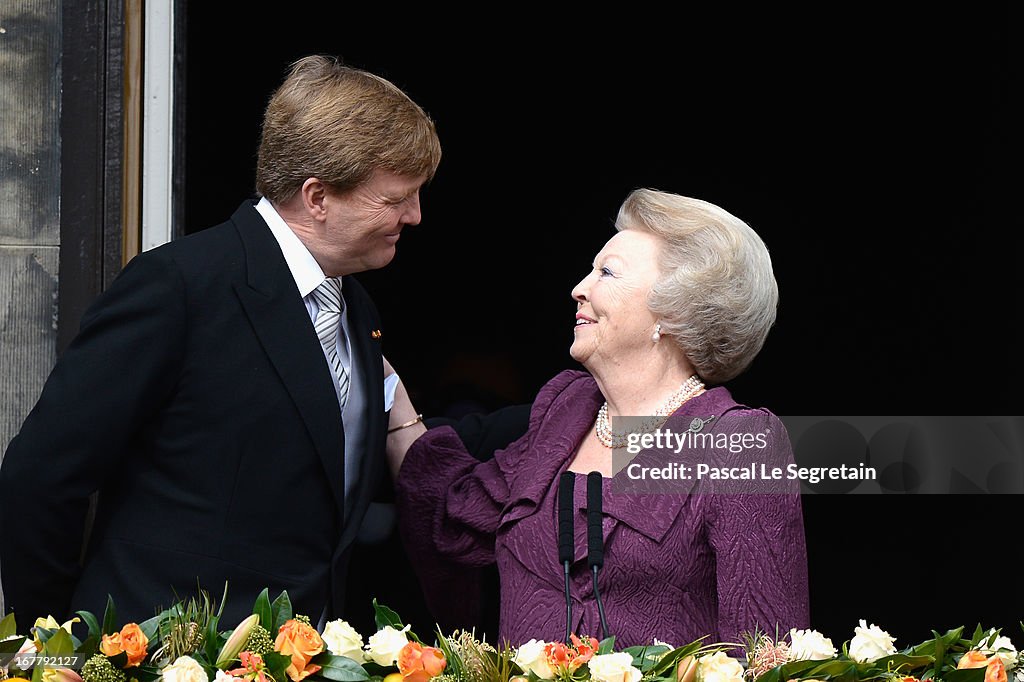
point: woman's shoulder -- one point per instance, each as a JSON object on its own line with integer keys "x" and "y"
{"x": 567, "y": 380}
{"x": 719, "y": 403}
{"x": 563, "y": 391}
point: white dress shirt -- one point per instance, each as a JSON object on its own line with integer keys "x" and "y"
{"x": 308, "y": 275}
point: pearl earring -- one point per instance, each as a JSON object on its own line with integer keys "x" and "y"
{"x": 656, "y": 336}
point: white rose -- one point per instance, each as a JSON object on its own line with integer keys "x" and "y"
{"x": 531, "y": 658}
{"x": 1001, "y": 647}
{"x": 224, "y": 677}
{"x": 184, "y": 669}
{"x": 343, "y": 640}
{"x": 613, "y": 668}
{"x": 719, "y": 667}
{"x": 810, "y": 645}
{"x": 385, "y": 644}
{"x": 870, "y": 643}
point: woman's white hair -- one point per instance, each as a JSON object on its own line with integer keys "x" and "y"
{"x": 717, "y": 295}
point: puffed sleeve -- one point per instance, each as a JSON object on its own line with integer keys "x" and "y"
{"x": 449, "y": 504}
{"x": 759, "y": 543}
{"x": 448, "y": 501}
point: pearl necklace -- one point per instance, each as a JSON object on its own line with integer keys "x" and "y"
{"x": 610, "y": 439}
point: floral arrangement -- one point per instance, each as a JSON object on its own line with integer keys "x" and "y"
{"x": 186, "y": 644}
{"x": 871, "y": 654}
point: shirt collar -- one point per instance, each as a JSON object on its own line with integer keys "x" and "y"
{"x": 305, "y": 270}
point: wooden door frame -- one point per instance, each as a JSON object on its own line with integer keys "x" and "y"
{"x": 100, "y": 167}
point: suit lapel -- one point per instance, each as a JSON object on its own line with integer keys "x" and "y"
{"x": 281, "y": 322}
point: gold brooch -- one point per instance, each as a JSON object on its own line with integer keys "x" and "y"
{"x": 375, "y": 334}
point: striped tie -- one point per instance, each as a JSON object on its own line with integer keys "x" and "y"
{"x": 328, "y": 327}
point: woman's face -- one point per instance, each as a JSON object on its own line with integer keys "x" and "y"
{"x": 613, "y": 322}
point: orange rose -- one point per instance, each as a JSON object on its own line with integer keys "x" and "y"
{"x": 134, "y": 643}
{"x": 301, "y": 642}
{"x": 110, "y": 645}
{"x": 131, "y": 640}
{"x": 972, "y": 659}
{"x": 995, "y": 671}
{"x": 419, "y": 663}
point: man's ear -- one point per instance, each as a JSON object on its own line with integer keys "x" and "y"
{"x": 313, "y": 194}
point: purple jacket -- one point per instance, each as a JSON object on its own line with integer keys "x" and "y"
{"x": 676, "y": 567}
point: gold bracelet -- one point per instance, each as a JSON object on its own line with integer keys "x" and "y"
{"x": 407, "y": 424}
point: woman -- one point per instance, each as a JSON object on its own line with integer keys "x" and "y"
{"x": 680, "y": 299}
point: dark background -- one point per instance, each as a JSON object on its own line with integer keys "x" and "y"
{"x": 874, "y": 149}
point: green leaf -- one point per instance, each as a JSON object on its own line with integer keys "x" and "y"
{"x": 787, "y": 671}
{"x": 939, "y": 643}
{"x": 90, "y": 621}
{"x": 110, "y": 617}
{"x": 223, "y": 600}
{"x": 211, "y": 639}
{"x": 146, "y": 673}
{"x": 606, "y": 646}
{"x": 340, "y": 668}
{"x": 672, "y": 658}
{"x": 119, "y": 661}
{"x": 151, "y": 627}
{"x": 965, "y": 675}
{"x": 646, "y": 656}
{"x": 282, "y": 612}
{"x": 978, "y": 634}
{"x": 8, "y": 628}
{"x": 44, "y": 634}
{"x": 902, "y": 663}
{"x": 377, "y": 670}
{"x": 385, "y": 616}
{"x": 264, "y": 610}
{"x": 833, "y": 670}
{"x": 59, "y": 644}
{"x": 89, "y": 647}
{"x": 277, "y": 664}
{"x": 12, "y": 645}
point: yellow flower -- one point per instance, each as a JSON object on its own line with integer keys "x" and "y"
{"x": 50, "y": 623}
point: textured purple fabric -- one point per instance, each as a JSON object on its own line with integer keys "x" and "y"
{"x": 676, "y": 568}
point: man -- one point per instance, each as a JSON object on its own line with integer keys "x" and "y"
{"x": 223, "y": 397}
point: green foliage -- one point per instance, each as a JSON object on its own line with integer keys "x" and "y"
{"x": 264, "y": 610}
{"x": 110, "y": 617}
{"x": 281, "y": 611}
{"x": 8, "y": 627}
{"x": 340, "y": 668}
{"x": 276, "y": 665}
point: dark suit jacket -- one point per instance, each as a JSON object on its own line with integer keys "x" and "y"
{"x": 197, "y": 400}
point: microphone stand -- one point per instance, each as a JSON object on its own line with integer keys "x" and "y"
{"x": 595, "y": 538}
{"x": 566, "y": 540}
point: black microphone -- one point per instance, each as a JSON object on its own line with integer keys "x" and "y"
{"x": 595, "y": 538}
{"x": 566, "y": 486}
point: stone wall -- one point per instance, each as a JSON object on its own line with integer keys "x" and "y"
{"x": 30, "y": 81}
